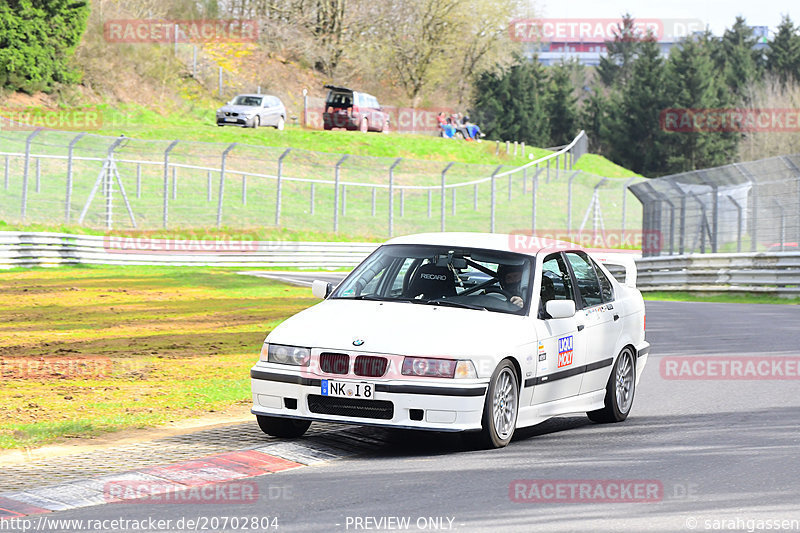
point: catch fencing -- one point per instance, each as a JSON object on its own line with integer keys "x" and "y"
{"x": 753, "y": 206}
{"x": 56, "y": 177}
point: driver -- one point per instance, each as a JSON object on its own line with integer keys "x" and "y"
{"x": 510, "y": 281}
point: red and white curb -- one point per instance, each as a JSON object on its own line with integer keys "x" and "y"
{"x": 174, "y": 478}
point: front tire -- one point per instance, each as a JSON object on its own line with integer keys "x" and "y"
{"x": 499, "y": 410}
{"x": 256, "y": 122}
{"x": 282, "y": 427}
{"x": 619, "y": 390}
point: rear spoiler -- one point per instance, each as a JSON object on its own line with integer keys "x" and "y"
{"x": 619, "y": 259}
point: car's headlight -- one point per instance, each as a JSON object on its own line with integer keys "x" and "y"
{"x": 438, "y": 368}
{"x": 285, "y": 355}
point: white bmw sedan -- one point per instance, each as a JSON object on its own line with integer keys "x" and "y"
{"x": 474, "y": 333}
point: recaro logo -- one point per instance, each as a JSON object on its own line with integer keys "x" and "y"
{"x": 440, "y": 277}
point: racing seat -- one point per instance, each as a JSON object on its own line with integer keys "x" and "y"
{"x": 432, "y": 282}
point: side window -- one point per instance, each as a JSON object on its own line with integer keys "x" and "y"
{"x": 556, "y": 283}
{"x": 605, "y": 285}
{"x": 588, "y": 286}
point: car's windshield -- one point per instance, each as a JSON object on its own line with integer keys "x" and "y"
{"x": 253, "y": 101}
{"x": 486, "y": 280}
{"x": 340, "y": 99}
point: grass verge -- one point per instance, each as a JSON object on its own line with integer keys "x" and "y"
{"x": 89, "y": 350}
{"x": 685, "y": 296}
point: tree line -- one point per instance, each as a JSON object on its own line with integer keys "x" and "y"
{"x": 623, "y": 103}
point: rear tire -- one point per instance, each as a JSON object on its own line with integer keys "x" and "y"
{"x": 619, "y": 390}
{"x": 282, "y": 427}
{"x": 499, "y": 410}
{"x": 281, "y": 123}
{"x": 364, "y": 125}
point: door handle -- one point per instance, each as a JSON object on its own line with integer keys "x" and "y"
{"x": 616, "y": 317}
{"x": 580, "y": 327}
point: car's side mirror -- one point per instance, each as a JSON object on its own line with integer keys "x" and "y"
{"x": 321, "y": 289}
{"x": 560, "y": 308}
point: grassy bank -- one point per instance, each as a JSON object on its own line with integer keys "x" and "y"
{"x": 163, "y": 344}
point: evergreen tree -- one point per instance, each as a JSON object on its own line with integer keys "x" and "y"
{"x": 783, "y": 56}
{"x": 693, "y": 84}
{"x": 635, "y": 136}
{"x": 615, "y": 67}
{"x": 561, "y": 105}
{"x": 509, "y": 104}
{"x": 594, "y": 118}
{"x": 735, "y": 55}
{"x": 37, "y": 40}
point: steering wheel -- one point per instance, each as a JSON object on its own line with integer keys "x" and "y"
{"x": 499, "y": 290}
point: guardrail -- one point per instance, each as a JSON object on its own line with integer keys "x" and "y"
{"x": 775, "y": 273}
{"x": 772, "y": 273}
{"x": 19, "y": 249}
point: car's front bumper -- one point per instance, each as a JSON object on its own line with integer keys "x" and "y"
{"x": 234, "y": 121}
{"x": 397, "y": 403}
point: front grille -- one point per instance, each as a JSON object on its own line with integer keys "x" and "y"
{"x": 370, "y": 366}
{"x": 334, "y": 363}
{"x": 328, "y": 405}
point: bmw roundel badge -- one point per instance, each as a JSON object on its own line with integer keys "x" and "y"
{"x": 358, "y": 342}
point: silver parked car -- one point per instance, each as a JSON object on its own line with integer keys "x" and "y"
{"x": 252, "y": 111}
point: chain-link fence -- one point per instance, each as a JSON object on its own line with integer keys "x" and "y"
{"x": 742, "y": 207}
{"x": 54, "y": 177}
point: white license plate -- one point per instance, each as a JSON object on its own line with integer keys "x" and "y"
{"x": 348, "y": 389}
{"x": 230, "y": 119}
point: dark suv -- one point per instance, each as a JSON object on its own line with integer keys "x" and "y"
{"x": 346, "y": 108}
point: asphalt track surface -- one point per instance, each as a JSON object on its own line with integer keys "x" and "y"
{"x": 724, "y": 453}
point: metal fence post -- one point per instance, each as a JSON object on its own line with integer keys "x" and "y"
{"x": 754, "y": 214}
{"x": 278, "y": 187}
{"x": 221, "y": 194}
{"x": 548, "y": 171}
{"x": 535, "y": 191}
{"x": 444, "y": 173}
{"x": 402, "y": 202}
{"x": 219, "y": 82}
{"x": 475, "y": 197}
{"x": 430, "y": 197}
{"x": 68, "y": 196}
{"x": 5, "y": 175}
{"x": 166, "y": 181}
{"x": 208, "y": 186}
{"x": 311, "y": 197}
{"x": 682, "y": 240}
{"x": 28, "y": 140}
{"x": 374, "y": 193}
{"x": 783, "y": 222}
{"x": 569, "y": 200}
{"x": 624, "y": 202}
{"x": 244, "y": 188}
{"x": 336, "y": 193}
{"x": 391, "y": 195}
{"x": 739, "y": 212}
{"x": 523, "y": 148}
{"x": 453, "y": 201}
{"x": 491, "y": 217}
